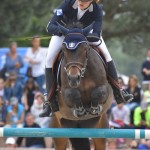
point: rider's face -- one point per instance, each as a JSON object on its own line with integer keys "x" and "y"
{"x": 83, "y": 5}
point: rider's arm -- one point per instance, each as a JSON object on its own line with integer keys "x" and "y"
{"x": 98, "y": 21}
{"x": 52, "y": 27}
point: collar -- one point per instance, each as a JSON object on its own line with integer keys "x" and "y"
{"x": 75, "y": 6}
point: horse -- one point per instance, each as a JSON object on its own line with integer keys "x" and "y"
{"x": 84, "y": 94}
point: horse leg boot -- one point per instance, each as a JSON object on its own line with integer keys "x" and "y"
{"x": 121, "y": 96}
{"x": 50, "y": 104}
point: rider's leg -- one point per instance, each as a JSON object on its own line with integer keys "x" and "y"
{"x": 54, "y": 48}
{"x": 119, "y": 94}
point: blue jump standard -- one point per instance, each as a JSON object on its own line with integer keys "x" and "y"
{"x": 75, "y": 133}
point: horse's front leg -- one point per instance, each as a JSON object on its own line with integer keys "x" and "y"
{"x": 59, "y": 143}
{"x": 100, "y": 143}
{"x": 98, "y": 97}
{"x": 72, "y": 99}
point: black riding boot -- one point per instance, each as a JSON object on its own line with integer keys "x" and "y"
{"x": 50, "y": 105}
{"x": 121, "y": 96}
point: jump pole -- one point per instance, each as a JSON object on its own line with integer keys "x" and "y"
{"x": 75, "y": 133}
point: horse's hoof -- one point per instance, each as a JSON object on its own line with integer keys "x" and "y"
{"x": 78, "y": 113}
{"x": 96, "y": 110}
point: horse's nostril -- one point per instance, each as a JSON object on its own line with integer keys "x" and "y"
{"x": 69, "y": 79}
{"x": 78, "y": 77}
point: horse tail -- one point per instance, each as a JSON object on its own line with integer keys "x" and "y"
{"x": 80, "y": 143}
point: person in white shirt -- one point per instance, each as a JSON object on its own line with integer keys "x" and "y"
{"x": 37, "y": 108}
{"x": 121, "y": 113}
{"x": 2, "y": 92}
{"x": 34, "y": 57}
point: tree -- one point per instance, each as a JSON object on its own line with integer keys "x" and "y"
{"x": 15, "y": 18}
{"x": 130, "y": 21}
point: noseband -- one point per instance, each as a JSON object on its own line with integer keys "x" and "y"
{"x": 80, "y": 66}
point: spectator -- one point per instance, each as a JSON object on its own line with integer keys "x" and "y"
{"x": 144, "y": 144}
{"x": 13, "y": 87}
{"x": 29, "y": 93}
{"x": 10, "y": 142}
{"x": 3, "y": 112}
{"x": 111, "y": 144}
{"x": 142, "y": 116}
{"x": 121, "y": 114}
{"x": 31, "y": 142}
{"x": 147, "y": 94}
{"x": 2, "y": 89}
{"x": 34, "y": 57}
{"x": 146, "y": 69}
{"x": 13, "y": 61}
{"x": 133, "y": 144}
{"x": 121, "y": 83}
{"x": 15, "y": 116}
{"x": 135, "y": 90}
{"x": 37, "y": 108}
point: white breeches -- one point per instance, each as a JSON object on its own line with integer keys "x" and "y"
{"x": 105, "y": 51}
{"x": 53, "y": 49}
{"x": 103, "y": 48}
{"x": 55, "y": 46}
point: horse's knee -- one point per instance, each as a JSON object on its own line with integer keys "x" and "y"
{"x": 99, "y": 95}
{"x": 72, "y": 96}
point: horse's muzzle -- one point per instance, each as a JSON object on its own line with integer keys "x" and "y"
{"x": 74, "y": 80}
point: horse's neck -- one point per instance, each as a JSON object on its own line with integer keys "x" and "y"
{"x": 94, "y": 61}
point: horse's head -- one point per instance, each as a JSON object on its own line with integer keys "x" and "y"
{"x": 75, "y": 48}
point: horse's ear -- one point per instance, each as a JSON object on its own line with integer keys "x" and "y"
{"x": 87, "y": 29}
{"x": 63, "y": 30}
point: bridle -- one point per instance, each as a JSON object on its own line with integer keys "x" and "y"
{"x": 81, "y": 66}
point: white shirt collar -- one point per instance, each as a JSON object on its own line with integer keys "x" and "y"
{"x": 75, "y": 6}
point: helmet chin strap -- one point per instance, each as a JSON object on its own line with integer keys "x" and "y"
{"x": 88, "y": 6}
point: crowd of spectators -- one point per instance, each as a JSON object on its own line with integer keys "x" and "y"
{"x": 135, "y": 114}
{"x": 21, "y": 101}
{"x": 21, "y": 98}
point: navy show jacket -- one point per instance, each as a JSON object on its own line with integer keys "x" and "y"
{"x": 67, "y": 12}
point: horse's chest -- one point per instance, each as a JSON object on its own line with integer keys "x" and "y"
{"x": 85, "y": 94}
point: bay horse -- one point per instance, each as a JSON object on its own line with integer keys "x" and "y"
{"x": 84, "y": 95}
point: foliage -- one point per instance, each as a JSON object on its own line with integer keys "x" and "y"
{"x": 130, "y": 21}
{"x": 126, "y": 22}
{"x": 15, "y": 18}
{"x": 24, "y": 18}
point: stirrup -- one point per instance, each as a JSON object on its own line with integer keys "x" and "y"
{"x": 47, "y": 110}
{"x": 126, "y": 96}
{"x": 52, "y": 103}
{"x": 121, "y": 96}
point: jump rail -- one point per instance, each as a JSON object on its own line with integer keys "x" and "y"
{"x": 75, "y": 133}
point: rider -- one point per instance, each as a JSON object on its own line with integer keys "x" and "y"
{"x": 85, "y": 12}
